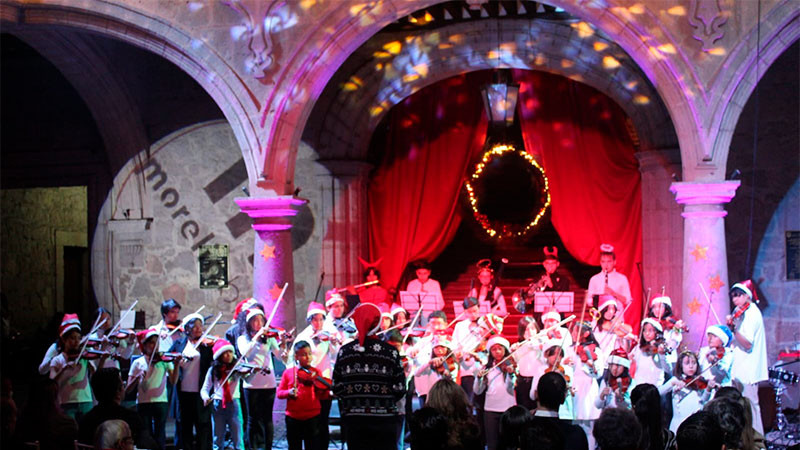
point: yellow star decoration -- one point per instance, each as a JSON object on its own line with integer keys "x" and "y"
{"x": 699, "y": 252}
{"x": 275, "y": 292}
{"x": 715, "y": 283}
{"x": 267, "y": 252}
{"x": 694, "y": 306}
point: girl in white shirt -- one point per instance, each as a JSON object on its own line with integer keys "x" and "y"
{"x": 221, "y": 387}
{"x": 488, "y": 291}
{"x": 686, "y": 400}
{"x": 498, "y": 383}
{"x": 650, "y": 359}
{"x": 259, "y": 389}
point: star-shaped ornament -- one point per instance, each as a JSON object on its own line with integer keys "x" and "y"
{"x": 275, "y": 292}
{"x": 694, "y": 306}
{"x": 715, "y": 283}
{"x": 699, "y": 252}
{"x": 267, "y": 252}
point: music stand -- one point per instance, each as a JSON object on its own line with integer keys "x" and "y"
{"x": 430, "y": 302}
{"x": 547, "y": 301}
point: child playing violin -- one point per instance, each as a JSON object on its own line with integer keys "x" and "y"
{"x": 527, "y": 354}
{"x": 497, "y": 380}
{"x": 587, "y": 368}
{"x": 257, "y": 347}
{"x": 553, "y": 356}
{"x": 617, "y": 384}
{"x": 690, "y": 391}
{"x": 716, "y": 358}
{"x": 651, "y": 359}
{"x": 661, "y": 311}
{"x": 303, "y": 405}
{"x": 442, "y": 364}
{"x": 72, "y": 370}
{"x": 197, "y": 358}
{"x": 221, "y": 386}
{"x": 152, "y": 372}
{"x": 120, "y": 345}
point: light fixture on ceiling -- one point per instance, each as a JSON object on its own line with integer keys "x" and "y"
{"x": 500, "y": 99}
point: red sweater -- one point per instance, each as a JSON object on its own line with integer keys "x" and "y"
{"x": 306, "y": 405}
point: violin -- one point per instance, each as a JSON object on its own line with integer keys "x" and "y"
{"x": 623, "y": 330}
{"x": 444, "y": 366}
{"x": 668, "y": 323}
{"x": 715, "y": 354}
{"x": 657, "y": 346}
{"x": 558, "y": 368}
{"x": 244, "y": 367}
{"x": 173, "y": 326}
{"x": 736, "y": 318}
{"x": 345, "y": 325}
{"x": 310, "y": 376}
{"x": 619, "y": 385}
{"x": 90, "y": 354}
{"x": 326, "y": 336}
{"x": 166, "y": 356}
{"x": 587, "y": 352}
{"x": 696, "y": 383}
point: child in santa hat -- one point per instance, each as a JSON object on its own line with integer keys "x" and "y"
{"x": 221, "y": 387}
{"x": 617, "y": 384}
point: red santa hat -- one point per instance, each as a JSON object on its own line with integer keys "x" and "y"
{"x": 243, "y": 305}
{"x": 143, "y": 335}
{"x": 654, "y": 323}
{"x": 748, "y": 287}
{"x": 396, "y": 309}
{"x": 332, "y": 297}
{"x": 620, "y": 358}
{"x": 221, "y": 346}
{"x": 663, "y": 300}
{"x": 366, "y": 317}
{"x": 498, "y": 340}
{"x": 69, "y": 322}
{"x": 607, "y": 300}
{"x": 314, "y": 308}
{"x": 252, "y": 312}
{"x": 551, "y": 315}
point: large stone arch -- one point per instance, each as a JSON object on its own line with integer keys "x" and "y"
{"x": 362, "y": 92}
{"x": 163, "y": 37}
{"x": 741, "y": 82}
{"x": 639, "y": 31}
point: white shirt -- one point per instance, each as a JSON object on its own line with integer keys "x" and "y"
{"x": 528, "y": 357}
{"x": 152, "y": 384}
{"x": 73, "y": 380}
{"x": 190, "y": 381}
{"x": 466, "y": 341}
{"x": 431, "y": 286}
{"x": 212, "y": 386}
{"x": 751, "y": 366}
{"x": 616, "y": 281}
{"x": 44, "y": 366}
{"x": 260, "y": 355}
{"x": 165, "y": 342}
{"x": 685, "y": 402}
{"x": 649, "y": 368}
{"x": 499, "y": 391}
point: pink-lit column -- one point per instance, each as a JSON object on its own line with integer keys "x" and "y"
{"x": 272, "y": 259}
{"x": 705, "y": 264}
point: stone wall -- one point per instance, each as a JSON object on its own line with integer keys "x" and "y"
{"x": 164, "y": 205}
{"x": 36, "y": 222}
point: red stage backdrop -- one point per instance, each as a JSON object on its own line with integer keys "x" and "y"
{"x": 579, "y": 135}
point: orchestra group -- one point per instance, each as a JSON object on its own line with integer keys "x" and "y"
{"x": 376, "y": 359}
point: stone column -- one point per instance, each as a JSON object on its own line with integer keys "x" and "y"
{"x": 661, "y": 246}
{"x": 705, "y": 264}
{"x": 343, "y": 208}
{"x": 272, "y": 259}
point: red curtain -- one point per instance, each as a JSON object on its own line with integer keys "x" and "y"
{"x": 579, "y": 135}
{"x": 588, "y": 156}
{"x": 413, "y": 196}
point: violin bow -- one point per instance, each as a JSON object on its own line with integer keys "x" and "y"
{"x": 208, "y": 330}
{"x": 240, "y": 361}
{"x": 644, "y": 314}
{"x": 710, "y": 305}
{"x": 183, "y": 322}
{"x": 413, "y": 322}
{"x": 454, "y": 320}
{"x": 97, "y": 324}
{"x": 122, "y": 317}
{"x": 615, "y": 324}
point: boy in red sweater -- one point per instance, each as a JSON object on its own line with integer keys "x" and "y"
{"x": 303, "y": 406}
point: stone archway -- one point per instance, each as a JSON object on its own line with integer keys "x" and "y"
{"x": 362, "y": 91}
{"x": 147, "y": 31}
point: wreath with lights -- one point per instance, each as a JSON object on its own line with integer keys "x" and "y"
{"x": 498, "y": 229}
